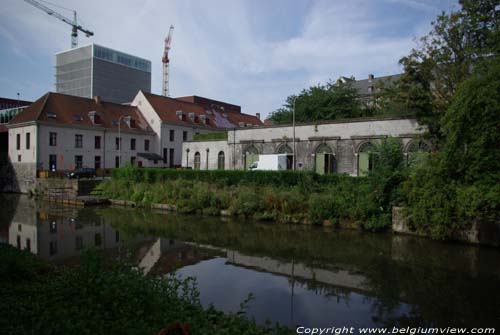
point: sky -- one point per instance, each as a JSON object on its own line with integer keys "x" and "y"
{"x": 252, "y": 53}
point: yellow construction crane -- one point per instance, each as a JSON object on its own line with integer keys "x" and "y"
{"x": 73, "y": 23}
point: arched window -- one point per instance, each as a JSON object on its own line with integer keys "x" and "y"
{"x": 251, "y": 155}
{"x": 366, "y": 155}
{"x": 324, "y": 160}
{"x": 221, "y": 159}
{"x": 416, "y": 150}
{"x": 197, "y": 160}
{"x": 284, "y": 149}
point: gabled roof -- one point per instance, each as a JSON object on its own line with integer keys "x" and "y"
{"x": 60, "y": 108}
{"x": 369, "y": 86}
{"x": 170, "y": 110}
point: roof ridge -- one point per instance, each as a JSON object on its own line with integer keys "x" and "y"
{"x": 42, "y": 107}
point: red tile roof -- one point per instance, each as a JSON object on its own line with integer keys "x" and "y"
{"x": 60, "y": 108}
{"x": 168, "y": 109}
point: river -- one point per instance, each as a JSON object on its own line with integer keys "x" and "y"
{"x": 297, "y": 275}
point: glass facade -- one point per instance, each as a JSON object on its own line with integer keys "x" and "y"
{"x": 121, "y": 58}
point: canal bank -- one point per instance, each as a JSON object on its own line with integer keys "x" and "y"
{"x": 298, "y": 275}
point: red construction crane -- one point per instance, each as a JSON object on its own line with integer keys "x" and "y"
{"x": 73, "y": 23}
{"x": 165, "y": 60}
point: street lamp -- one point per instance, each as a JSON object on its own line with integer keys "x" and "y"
{"x": 126, "y": 118}
{"x": 293, "y": 126}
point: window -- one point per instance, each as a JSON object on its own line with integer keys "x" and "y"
{"x": 146, "y": 145}
{"x": 78, "y": 162}
{"x": 171, "y": 157}
{"x": 18, "y": 242}
{"x": 172, "y": 135}
{"x": 28, "y": 244}
{"x": 117, "y": 162}
{"x": 18, "y": 141}
{"x": 118, "y": 143}
{"x": 165, "y": 155}
{"x": 132, "y": 144}
{"x": 184, "y": 135}
{"x": 97, "y": 142}
{"x": 117, "y": 236}
{"x": 78, "y": 141}
{"x": 132, "y": 160}
{"x": 18, "y": 158}
{"x": 197, "y": 161}
{"x": 52, "y": 139}
{"x": 97, "y": 162}
{"x": 27, "y": 141}
{"x": 221, "y": 160}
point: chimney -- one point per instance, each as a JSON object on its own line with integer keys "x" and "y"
{"x": 97, "y": 100}
{"x": 370, "y": 77}
{"x": 257, "y": 115}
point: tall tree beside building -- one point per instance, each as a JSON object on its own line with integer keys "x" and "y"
{"x": 458, "y": 42}
{"x": 318, "y": 103}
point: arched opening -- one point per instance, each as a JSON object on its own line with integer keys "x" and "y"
{"x": 366, "y": 158}
{"x": 285, "y": 149}
{"x": 416, "y": 150}
{"x": 251, "y": 156}
{"x": 197, "y": 160}
{"x": 221, "y": 159}
{"x": 324, "y": 160}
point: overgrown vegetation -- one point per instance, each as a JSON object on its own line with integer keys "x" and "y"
{"x": 282, "y": 196}
{"x": 99, "y": 297}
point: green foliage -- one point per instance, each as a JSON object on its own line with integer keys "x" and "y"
{"x": 319, "y": 103}
{"x": 459, "y": 185}
{"x": 458, "y": 42}
{"x": 210, "y": 136}
{"x": 224, "y": 177}
{"x": 282, "y": 196}
{"x": 98, "y": 297}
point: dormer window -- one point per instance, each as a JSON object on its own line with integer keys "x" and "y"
{"x": 94, "y": 117}
{"x": 204, "y": 119}
{"x": 131, "y": 123}
{"x": 192, "y": 116}
{"x": 196, "y": 119}
{"x": 51, "y": 115}
{"x": 77, "y": 117}
{"x": 180, "y": 114}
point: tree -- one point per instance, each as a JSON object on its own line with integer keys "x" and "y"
{"x": 446, "y": 57}
{"x": 322, "y": 102}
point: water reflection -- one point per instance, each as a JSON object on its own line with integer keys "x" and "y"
{"x": 299, "y": 275}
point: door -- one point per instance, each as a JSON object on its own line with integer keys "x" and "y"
{"x": 250, "y": 158}
{"x": 171, "y": 157}
{"x": 320, "y": 163}
{"x": 53, "y": 162}
{"x": 363, "y": 163}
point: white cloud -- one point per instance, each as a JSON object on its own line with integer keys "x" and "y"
{"x": 217, "y": 50}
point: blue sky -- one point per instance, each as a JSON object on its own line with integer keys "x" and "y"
{"x": 253, "y": 53}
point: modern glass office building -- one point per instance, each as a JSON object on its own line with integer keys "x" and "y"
{"x": 94, "y": 70}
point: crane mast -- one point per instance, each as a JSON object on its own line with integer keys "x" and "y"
{"x": 165, "y": 60}
{"x": 75, "y": 27}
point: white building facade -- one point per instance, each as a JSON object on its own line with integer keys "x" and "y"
{"x": 341, "y": 147}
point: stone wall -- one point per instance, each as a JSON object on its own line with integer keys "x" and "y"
{"x": 486, "y": 233}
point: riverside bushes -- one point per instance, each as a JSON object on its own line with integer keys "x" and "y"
{"x": 283, "y": 196}
{"x": 97, "y": 297}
